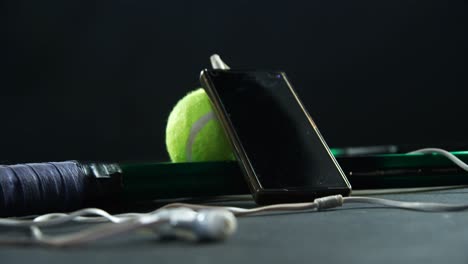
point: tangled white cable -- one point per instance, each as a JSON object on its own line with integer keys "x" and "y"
{"x": 190, "y": 221}
{"x": 184, "y": 223}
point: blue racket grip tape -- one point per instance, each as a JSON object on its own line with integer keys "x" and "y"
{"x": 34, "y": 188}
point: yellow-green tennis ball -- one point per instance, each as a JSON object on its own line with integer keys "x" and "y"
{"x": 193, "y": 132}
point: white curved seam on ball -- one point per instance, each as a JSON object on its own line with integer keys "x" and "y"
{"x": 195, "y": 129}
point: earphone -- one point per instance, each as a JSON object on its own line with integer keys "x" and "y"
{"x": 190, "y": 221}
{"x": 179, "y": 223}
{"x": 203, "y": 225}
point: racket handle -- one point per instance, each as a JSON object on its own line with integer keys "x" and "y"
{"x": 52, "y": 187}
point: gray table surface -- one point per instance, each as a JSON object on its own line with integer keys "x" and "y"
{"x": 352, "y": 234}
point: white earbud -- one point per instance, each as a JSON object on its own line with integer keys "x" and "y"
{"x": 204, "y": 225}
{"x": 214, "y": 224}
{"x": 218, "y": 63}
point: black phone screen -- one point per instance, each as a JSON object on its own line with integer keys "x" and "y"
{"x": 283, "y": 148}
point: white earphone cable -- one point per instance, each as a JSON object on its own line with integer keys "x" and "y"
{"x": 177, "y": 213}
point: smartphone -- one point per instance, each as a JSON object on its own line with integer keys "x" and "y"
{"x": 280, "y": 150}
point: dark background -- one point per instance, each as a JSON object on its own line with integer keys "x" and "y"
{"x": 96, "y": 80}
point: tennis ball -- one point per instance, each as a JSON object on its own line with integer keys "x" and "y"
{"x": 193, "y": 132}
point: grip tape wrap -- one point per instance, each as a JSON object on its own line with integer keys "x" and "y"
{"x": 45, "y": 187}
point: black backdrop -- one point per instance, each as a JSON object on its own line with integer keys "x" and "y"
{"x": 96, "y": 80}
